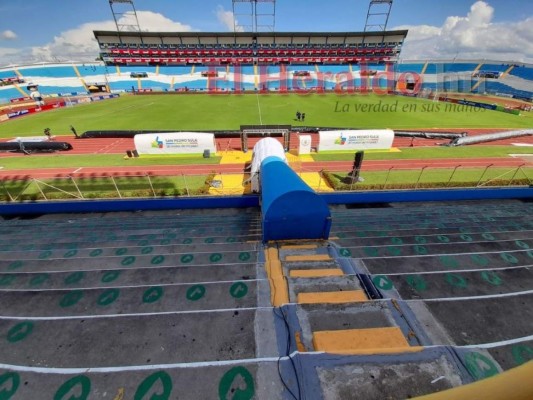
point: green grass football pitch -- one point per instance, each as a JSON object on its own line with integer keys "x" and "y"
{"x": 229, "y": 111}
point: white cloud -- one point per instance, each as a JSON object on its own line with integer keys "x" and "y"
{"x": 6, "y": 52}
{"x": 473, "y": 36}
{"x": 13, "y": 56}
{"x": 8, "y": 35}
{"x": 79, "y": 44}
{"x": 227, "y": 19}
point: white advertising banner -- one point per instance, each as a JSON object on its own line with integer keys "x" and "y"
{"x": 174, "y": 143}
{"x": 355, "y": 139}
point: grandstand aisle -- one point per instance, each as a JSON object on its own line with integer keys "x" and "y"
{"x": 183, "y": 303}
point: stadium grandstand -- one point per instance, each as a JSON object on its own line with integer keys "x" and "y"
{"x": 288, "y": 293}
{"x": 187, "y": 48}
{"x": 434, "y": 77}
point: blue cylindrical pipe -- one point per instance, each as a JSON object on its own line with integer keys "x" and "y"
{"x": 290, "y": 208}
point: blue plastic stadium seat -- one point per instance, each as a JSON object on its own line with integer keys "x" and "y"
{"x": 523, "y": 72}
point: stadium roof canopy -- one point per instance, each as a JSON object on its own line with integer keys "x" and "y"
{"x": 206, "y": 38}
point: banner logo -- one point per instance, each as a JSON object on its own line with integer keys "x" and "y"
{"x": 157, "y": 144}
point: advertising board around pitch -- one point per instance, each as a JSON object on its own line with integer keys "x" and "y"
{"x": 175, "y": 143}
{"x": 346, "y": 140}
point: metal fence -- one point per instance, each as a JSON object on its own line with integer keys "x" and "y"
{"x": 102, "y": 187}
{"x": 119, "y": 186}
{"x": 458, "y": 176}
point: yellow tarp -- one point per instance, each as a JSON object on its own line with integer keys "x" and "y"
{"x": 315, "y": 181}
{"x": 229, "y": 185}
{"x": 301, "y": 158}
{"x": 235, "y": 157}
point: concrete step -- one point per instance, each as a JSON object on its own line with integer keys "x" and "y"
{"x": 439, "y": 210}
{"x": 350, "y": 238}
{"x": 387, "y": 232}
{"x": 103, "y": 242}
{"x": 143, "y": 299}
{"x": 362, "y": 341}
{"x": 136, "y": 340}
{"x": 461, "y": 284}
{"x": 128, "y": 277}
{"x": 88, "y": 234}
{"x": 97, "y": 252}
{"x": 504, "y": 318}
{"x": 381, "y": 376}
{"x": 440, "y": 248}
{"x": 379, "y": 219}
{"x": 331, "y": 297}
{"x": 46, "y": 264}
{"x": 257, "y": 379}
{"x": 313, "y": 318}
{"x": 510, "y": 356}
{"x": 448, "y": 262}
{"x": 330, "y": 284}
{"x": 295, "y": 268}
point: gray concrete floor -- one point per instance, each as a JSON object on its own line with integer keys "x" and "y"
{"x": 177, "y": 303}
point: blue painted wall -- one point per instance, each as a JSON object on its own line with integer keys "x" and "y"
{"x": 83, "y": 206}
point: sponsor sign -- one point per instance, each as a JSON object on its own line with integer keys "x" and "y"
{"x": 32, "y": 110}
{"x": 343, "y": 140}
{"x": 504, "y": 95}
{"x": 174, "y": 143}
{"x": 20, "y": 99}
{"x": 104, "y": 97}
{"x": 476, "y": 104}
{"x": 18, "y": 113}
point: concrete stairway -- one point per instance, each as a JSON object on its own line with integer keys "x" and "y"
{"x": 384, "y": 309}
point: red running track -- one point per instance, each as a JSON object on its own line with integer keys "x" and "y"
{"x": 121, "y": 145}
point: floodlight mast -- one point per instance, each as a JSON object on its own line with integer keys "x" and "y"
{"x": 125, "y": 16}
{"x": 378, "y": 14}
{"x": 259, "y": 16}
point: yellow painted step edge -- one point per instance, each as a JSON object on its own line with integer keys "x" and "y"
{"x": 362, "y": 341}
{"x": 315, "y": 273}
{"x": 312, "y": 257}
{"x": 299, "y": 246}
{"x": 279, "y": 291}
{"x": 380, "y": 350}
{"x": 348, "y": 296}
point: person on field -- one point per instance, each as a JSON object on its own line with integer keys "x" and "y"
{"x": 48, "y": 134}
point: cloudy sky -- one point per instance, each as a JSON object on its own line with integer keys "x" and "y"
{"x": 61, "y": 30}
